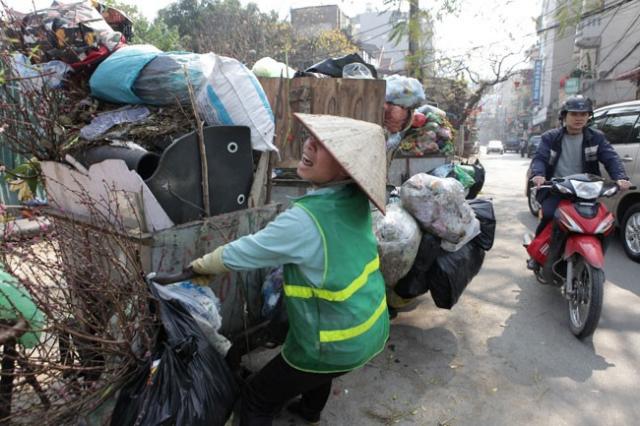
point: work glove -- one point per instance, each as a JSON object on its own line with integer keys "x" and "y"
{"x": 207, "y": 266}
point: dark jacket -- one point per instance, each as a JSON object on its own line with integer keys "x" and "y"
{"x": 595, "y": 148}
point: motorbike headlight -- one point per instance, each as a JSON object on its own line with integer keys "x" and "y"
{"x": 569, "y": 223}
{"x": 605, "y": 225}
{"x": 587, "y": 190}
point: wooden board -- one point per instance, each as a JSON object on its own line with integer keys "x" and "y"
{"x": 359, "y": 99}
{"x": 110, "y": 187}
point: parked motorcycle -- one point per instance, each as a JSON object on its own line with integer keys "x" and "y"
{"x": 570, "y": 250}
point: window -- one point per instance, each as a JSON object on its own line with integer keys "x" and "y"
{"x": 617, "y": 128}
{"x": 598, "y": 122}
{"x": 635, "y": 133}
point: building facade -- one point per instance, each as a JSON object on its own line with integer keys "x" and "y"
{"x": 313, "y": 20}
{"x": 375, "y": 28}
{"x": 597, "y": 54}
{"x": 553, "y": 61}
{"x": 607, "y": 45}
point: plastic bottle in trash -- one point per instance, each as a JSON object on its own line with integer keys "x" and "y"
{"x": 356, "y": 70}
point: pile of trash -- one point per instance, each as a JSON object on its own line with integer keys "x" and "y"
{"x": 430, "y": 133}
{"x": 137, "y": 104}
{"x": 347, "y": 66}
{"x": 471, "y": 176}
{"x": 432, "y": 239}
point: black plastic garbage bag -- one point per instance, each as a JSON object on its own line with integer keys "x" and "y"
{"x": 479, "y": 176}
{"x": 485, "y": 214}
{"x": 416, "y": 281}
{"x": 184, "y": 382}
{"x": 333, "y": 66}
{"x": 452, "y": 272}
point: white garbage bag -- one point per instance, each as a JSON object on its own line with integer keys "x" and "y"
{"x": 398, "y": 236}
{"x": 439, "y": 206}
{"x": 233, "y": 96}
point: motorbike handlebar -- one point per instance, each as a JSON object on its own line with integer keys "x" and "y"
{"x": 549, "y": 184}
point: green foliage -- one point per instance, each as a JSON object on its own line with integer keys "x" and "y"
{"x": 227, "y": 28}
{"x": 569, "y": 13}
{"x": 24, "y": 179}
{"x": 310, "y": 50}
{"x": 417, "y": 29}
{"x": 157, "y": 33}
{"x": 451, "y": 95}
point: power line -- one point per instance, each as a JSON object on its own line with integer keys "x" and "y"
{"x": 620, "y": 39}
{"x": 376, "y": 36}
{"x": 624, "y": 58}
{"x": 371, "y": 29}
{"x": 588, "y": 14}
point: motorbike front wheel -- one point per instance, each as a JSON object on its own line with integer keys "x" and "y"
{"x": 585, "y": 304}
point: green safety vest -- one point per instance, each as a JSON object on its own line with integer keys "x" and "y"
{"x": 342, "y": 323}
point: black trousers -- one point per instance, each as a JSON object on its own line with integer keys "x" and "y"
{"x": 265, "y": 394}
{"x": 549, "y": 204}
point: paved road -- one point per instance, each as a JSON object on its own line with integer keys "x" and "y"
{"x": 504, "y": 355}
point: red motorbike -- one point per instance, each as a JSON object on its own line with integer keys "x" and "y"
{"x": 570, "y": 251}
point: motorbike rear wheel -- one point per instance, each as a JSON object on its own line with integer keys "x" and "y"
{"x": 585, "y": 305}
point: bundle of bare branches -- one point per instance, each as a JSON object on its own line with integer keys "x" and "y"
{"x": 86, "y": 278}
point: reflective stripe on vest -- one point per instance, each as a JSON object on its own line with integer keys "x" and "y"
{"x": 337, "y": 335}
{"x": 305, "y": 292}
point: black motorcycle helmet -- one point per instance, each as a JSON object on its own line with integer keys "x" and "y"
{"x": 576, "y": 103}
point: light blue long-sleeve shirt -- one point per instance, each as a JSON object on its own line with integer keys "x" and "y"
{"x": 292, "y": 237}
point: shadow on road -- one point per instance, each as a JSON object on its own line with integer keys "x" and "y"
{"x": 415, "y": 364}
{"x": 540, "y": 321}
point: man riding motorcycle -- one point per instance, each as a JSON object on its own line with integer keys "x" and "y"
{"x": 571, "y": 149}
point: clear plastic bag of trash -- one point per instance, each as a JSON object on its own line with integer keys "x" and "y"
{"x": 471, "y": 231}
{"x": 269, "y": 67}
{"x": 102, "y": 122}
{"x": 356, "y": 70}
{"x": 203, "y": 305}
{"x": 398, "y": 237}
{"x": 33, "y": 76}
{"x": 404, "y": 91}
{"x": 430, "y": 109}
{"x": 439, "y": 206}
{"x": 272, "y": 292}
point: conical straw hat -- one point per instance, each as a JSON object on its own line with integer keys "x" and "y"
{"x": 358, "y": 146}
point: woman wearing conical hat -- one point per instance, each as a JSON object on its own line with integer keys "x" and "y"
{"x": 334, "y": 291}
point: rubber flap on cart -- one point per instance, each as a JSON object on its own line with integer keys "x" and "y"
{"x": 177, "y": 182}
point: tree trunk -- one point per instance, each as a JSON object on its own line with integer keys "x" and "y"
{"x": 414, "y": 69}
